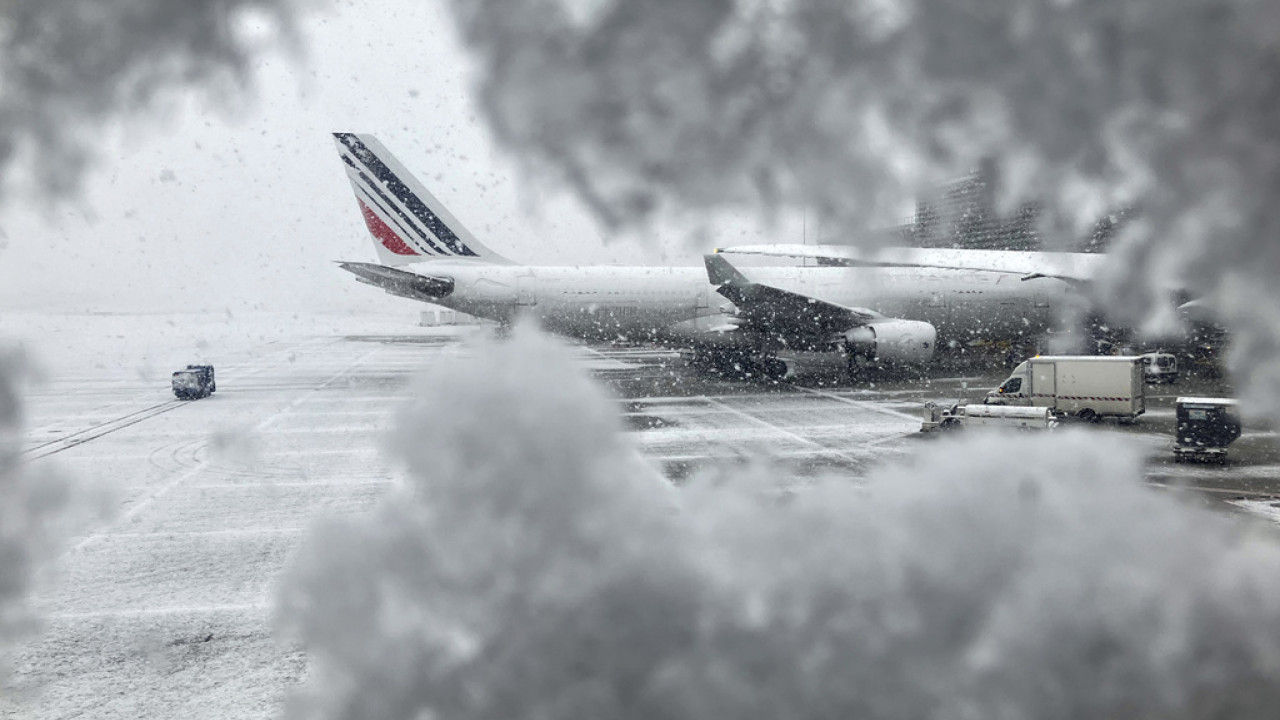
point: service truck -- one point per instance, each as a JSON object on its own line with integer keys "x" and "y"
{"x": 1206, "y": 426}
{"x": 1088, "y": 387}
{"x": 964, "y": 415}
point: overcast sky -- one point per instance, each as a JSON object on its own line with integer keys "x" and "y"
{"x": 209, "y": 206}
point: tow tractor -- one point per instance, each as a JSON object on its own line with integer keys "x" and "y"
{"x": 195, "y": 382}
{"x": 207, "y": 371}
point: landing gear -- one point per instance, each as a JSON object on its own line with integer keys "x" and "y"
{"x": 859, "y": 367}
{"x": 773, "y": 368}
{"x": 853, "y": 367}
{"x": 740, "y": 365}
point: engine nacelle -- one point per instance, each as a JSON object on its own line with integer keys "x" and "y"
{"x": 893, "y": 341}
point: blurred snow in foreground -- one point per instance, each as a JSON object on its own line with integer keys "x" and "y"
{"x": 68, "y": 66}
{"x": 32, "y": 508}
{"x": 649, "y": 108}
{"x": 529, "y": 571}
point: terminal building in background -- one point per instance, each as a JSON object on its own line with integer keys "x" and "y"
{"x": 962, "y": 214}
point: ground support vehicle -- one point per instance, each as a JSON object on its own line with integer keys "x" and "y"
{"x": 1206, "y": 426}
{"x": 193, "y": 383}
{"x": 1160, "y": 367}
{"x": 207, "y": 371}
{"x": 1088, "y": 387}
{"x": 938, "y": 417}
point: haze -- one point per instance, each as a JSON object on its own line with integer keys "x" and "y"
{"x": 513, "y": 559}
{"x": 238, "y": 202}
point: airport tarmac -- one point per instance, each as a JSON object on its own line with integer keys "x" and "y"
{"x": 165, "y": 609}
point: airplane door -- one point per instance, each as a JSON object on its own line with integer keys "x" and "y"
{"x": 526, "y": 290}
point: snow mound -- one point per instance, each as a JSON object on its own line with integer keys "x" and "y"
{"x": 526, "y": 572}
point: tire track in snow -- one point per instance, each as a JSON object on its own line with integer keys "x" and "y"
{"x": 204, "y": 464}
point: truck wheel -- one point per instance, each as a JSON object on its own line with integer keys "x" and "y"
{"x": 1088, "y": 415}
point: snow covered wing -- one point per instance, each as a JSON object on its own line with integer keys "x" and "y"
{"x": 795, "y": 319}
{"x": 1074, "y": 267}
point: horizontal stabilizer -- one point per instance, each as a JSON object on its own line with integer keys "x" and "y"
{"x": 399, "y": 282}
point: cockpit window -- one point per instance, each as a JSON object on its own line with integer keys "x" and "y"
{"x": 1012, "y": 385}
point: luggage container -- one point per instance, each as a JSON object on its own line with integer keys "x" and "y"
{"x": 1206, "y": 426}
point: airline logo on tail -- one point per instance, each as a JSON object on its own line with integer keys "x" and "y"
{"x": 407, "y": 222}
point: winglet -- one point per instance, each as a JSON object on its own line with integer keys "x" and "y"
{"x": 721, "y": 272}
{"x": 730, "y": 283}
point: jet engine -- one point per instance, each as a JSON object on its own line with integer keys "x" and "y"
{"x": 892, "y": 341}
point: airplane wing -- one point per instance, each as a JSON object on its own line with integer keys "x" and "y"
{"x": 796, "y": 320}
{"x": 400, "y": 282}
{"x": 1072, "y": 267}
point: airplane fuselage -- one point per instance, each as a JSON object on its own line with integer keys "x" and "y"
{"x": 678, "y": 304}
{"x": 899, "y": 309}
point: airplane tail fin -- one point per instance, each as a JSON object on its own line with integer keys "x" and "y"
{"x": 408, "y": 224}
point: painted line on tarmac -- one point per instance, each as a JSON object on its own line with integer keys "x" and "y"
{"x": 226, "y": 532}
{"x": 93, "y": 432}
{"x": 266, "y": 486}
{"x": 857, "y": 403}
{"x": 779, "y": 429}
{"x": 148, "y": 390}
{"x": 163, "y": 490}
{"x": 1163, "y": 484}
{"x": 155, "y": 611}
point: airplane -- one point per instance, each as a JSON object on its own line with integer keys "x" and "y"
{"x": 1200, "y": 322}
{"x": 1071, "y": 267}
{"x": 862, "y": 314}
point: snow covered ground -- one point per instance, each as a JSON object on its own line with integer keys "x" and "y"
{"x": 164, "y": 610}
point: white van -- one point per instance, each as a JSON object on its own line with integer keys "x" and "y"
{"x": 1160, "y": 367}
{"x": 1089, "y": 387}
